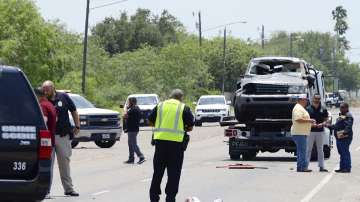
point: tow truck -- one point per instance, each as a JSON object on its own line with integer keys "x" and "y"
{"x": 263, "y": 106}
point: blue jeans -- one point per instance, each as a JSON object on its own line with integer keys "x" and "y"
{"x": 343, "y": 147}
{"x": 301, "y": 145}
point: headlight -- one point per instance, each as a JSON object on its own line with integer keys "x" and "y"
{"x": 83, "y": 123}
{"x": 296, "y": 89}
{"x": 223, "y": 110}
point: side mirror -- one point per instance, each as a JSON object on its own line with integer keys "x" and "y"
{"x": 228, "y": 102}
{"x": 194, "y": 103}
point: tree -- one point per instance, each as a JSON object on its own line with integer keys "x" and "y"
{"x": 40, "y": 48}
{"x": 131, "y": 33}
{"x": 339, "y": 14}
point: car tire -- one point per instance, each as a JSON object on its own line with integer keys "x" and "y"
{"x": 105, "y": 143}
{"x": 249, "y": 155}
{"x": 74, "y": 143}
{"x": 235, "y": 156}
{"x": 198, "y": 123}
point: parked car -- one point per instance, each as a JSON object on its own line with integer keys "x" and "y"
{"x": 146, "y": 103}
{"x": 25, "y": 142}
{"x": 211, "y": 108}
{"x": 102, "y": 126}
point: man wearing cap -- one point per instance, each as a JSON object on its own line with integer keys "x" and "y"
{"x": 171, "y": 120}
{"x": 300, "y": 130}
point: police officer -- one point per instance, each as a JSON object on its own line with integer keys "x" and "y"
{"x": 171, "y": 119}
{"x": 63, "y": 133}
{"x": 344, "y": 134}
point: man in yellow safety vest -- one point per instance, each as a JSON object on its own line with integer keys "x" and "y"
{"x": 171, "y": 120}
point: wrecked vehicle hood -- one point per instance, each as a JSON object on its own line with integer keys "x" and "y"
{"x": 276, "y": 78}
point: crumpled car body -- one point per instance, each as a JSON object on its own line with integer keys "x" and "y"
{"x": 269, "y": 88}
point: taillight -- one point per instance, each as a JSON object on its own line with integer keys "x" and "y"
{"x": 230, "y": 133}
{"x": 45, "y": 149}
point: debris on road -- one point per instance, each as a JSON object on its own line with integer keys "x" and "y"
{"x": 241, "y": 166}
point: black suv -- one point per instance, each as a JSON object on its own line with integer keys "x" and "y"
{"x": 25, "y": 142}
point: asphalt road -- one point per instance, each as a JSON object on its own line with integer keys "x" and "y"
{"x": 100, "y": 175}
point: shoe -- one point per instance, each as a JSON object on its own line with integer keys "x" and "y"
{"x": 72, "y": 193}
{"x": 323, "y": 170}
{"x": 48, "y": 196}
{"x": 304, "y": 171}
{"x": 129, "y": 162}
{"x": 343, "y": 171}
{"x": 141, "y": 160}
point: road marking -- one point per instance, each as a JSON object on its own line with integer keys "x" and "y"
{"x": 357, "y": 149}
{"x": 100, "y": 192}
{"x": 146, "y": 180}
{"x": 323, "y": 182}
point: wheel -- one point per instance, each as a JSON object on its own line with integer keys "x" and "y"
{"x": 198, "y": 123}
{"x": 249, "y": 155}
{"x": 234, "y": 156}
{"x": 105, "y": 143}
{"x": 327, "y": 151}
{"x": 74, "y": 143}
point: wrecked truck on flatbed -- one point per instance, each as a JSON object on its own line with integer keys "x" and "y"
{"x": 263, "y": 104}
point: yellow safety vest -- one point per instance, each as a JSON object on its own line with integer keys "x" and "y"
{"x": 169, "y": 123}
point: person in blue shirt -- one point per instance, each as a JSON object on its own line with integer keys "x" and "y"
{"x": 344, "y": 135}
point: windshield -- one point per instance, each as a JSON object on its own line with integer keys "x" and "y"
{"x": 270, "y": 67}
{"x": 81, "y": 102}
{"x": 150, "y": 100}
{"x": 211, "y": 101}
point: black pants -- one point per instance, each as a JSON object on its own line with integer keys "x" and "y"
{"x": 168, "y": 155}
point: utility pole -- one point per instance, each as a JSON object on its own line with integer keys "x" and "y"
{"x": 291, "y": 45}
{"x": 83, "y": 86}
{"x": 262, "y": 37}
{"x": 224, "y": 63}
{"x": 200, "y": 31}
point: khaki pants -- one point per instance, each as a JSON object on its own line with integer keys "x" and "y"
{"x": 63, "y": 153}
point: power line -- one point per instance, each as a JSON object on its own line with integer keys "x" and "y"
{"x": 224, "y": 25}
{"x": 108, "y": 4}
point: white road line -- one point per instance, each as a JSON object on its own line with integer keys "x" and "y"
{"x": 357, "y": 149}
{"x": 100, "y": 192}
{"x": 146, "y": 180}
{"x": 323, "y": 182}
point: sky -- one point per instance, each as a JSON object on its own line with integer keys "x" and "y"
{"x": 275, "y": 15}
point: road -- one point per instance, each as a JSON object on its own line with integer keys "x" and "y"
{"x": 100, "y": 175}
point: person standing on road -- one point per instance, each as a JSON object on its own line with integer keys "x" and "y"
{"x": 50, "y": 116}
{"x": 300, "y": 129}
{"x": 344, "y": 135}
{"x": 317, "y": 134}
{"x": 133, "y": 116}
{"x": 172, "y": 119}
{"x": 63, "y": 133}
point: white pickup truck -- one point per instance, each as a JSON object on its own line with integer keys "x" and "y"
{"x": 99, "y": 125}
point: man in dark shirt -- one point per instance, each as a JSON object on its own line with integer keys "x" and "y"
{"x": 317, "y": 130}
{"x": 63, "y": 133}
{"x": 132, "y": 122}
{"x": 169, "y": 152}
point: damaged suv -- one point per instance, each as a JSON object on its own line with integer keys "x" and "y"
{"x": 266, "y": 90}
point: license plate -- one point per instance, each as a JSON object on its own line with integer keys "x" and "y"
{"x": 105, "y": 136}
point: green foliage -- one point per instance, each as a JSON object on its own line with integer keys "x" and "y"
{"x": 131, "y": 33}
{"x": 339, "y": 14}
